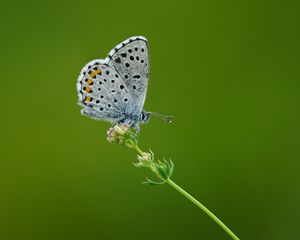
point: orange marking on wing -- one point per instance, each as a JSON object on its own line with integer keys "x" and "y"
{"x": 94, "y": 73}
{"x": 88, "y": 89}
{"x": 89, "y": 82}
{"x": 88, "y": 99}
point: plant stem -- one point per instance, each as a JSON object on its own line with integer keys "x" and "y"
{"x": 196, "y": 202}
{"x": 138, "y": 149}
{"x": 203, "y": 208}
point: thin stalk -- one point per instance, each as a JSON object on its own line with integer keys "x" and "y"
{"x": 195, "y": 201}
{"x": 138, "y": 149}
{"x": 203, "y": 208}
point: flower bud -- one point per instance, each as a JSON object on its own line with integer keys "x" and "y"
{"x": 123, "y": 135}
{"x": 120, "y": 129}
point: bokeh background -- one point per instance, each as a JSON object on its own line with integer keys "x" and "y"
{"x": 227, "y": 70}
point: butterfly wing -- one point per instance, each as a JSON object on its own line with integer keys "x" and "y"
{"x": 101, "y": 92}
{"x": 131, "y": 60}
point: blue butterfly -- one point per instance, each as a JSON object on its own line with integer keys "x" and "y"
{"x": 114, "y": 89}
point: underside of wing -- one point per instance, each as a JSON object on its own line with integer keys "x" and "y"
{"x": 131, "y": 60}
{"x": 102, "y": 92}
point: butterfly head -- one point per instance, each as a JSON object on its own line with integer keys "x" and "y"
{"x": 145, "y": 116}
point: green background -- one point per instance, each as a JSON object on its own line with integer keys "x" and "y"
{"x": 227, "y": 70}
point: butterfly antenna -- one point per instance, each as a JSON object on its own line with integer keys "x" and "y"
{"x": 166, "y": 118}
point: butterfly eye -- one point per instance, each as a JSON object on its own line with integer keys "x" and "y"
{"x": 145, "y": 116}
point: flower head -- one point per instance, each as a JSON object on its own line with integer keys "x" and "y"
{"x": 145, "y": 159}
{"x": 162, "y": 169}
{"x": 127, "y": 137}
{"x": 123, "y": 135}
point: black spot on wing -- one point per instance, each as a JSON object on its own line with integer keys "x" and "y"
{"x": 118, "y": 60}
{"x": 136, "y": 76}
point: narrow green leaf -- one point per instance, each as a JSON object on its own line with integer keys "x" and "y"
{"x": 153, "y": 183}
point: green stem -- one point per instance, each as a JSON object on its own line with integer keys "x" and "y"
{"x": 196, "y": 202}
{"x": 203, "y": 208}
{"x": 136, "y": 147}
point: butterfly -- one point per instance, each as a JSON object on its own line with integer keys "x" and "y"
{"x": 114, "y": 89}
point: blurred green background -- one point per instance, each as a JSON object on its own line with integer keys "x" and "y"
{"x": 227, "y": 70}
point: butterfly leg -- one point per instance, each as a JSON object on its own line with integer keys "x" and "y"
{"x": 114, "y": 123}
{"x": 136, "y": 127}
{"x": 137, "y": 130}
{"x": 110, "y": 130}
